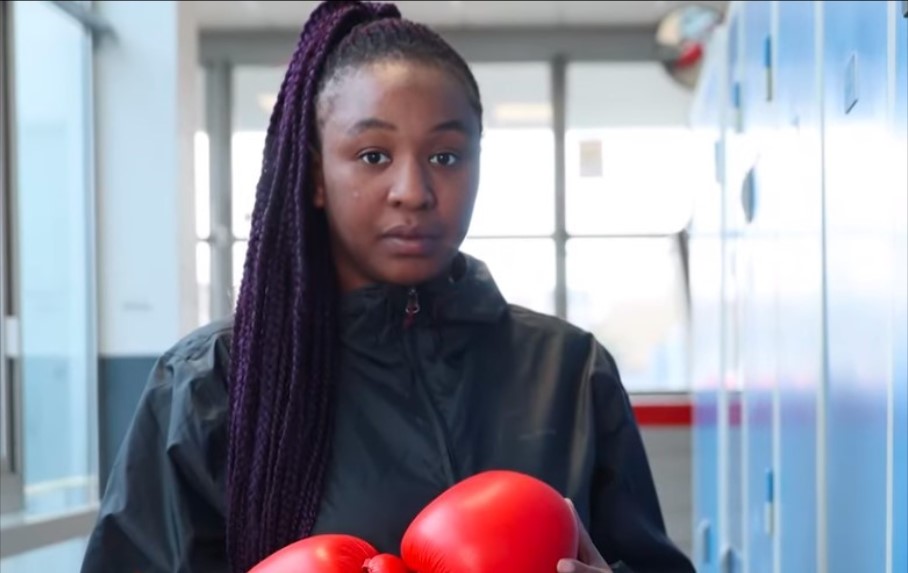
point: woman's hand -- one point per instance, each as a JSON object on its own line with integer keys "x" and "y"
{"x": 589, "y": 560}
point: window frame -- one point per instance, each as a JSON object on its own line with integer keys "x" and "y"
{"x": 11, "y": 481}
{"x": 21, "y": 532}
{"x": 221, "y": 52}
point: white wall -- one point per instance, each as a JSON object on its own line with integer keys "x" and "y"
{"x": 145, "y": 94}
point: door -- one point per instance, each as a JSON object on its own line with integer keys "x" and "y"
{"x": 898, "y": 21}
{"x": 706, "y": 311}
{"x": 799, "y": 252}
{"x": 737, "y": 161}
{"x": 752, "y": 214}
{"x": 859, "y": 254}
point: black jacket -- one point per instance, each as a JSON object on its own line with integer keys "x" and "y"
{"x": 472, "y": 384}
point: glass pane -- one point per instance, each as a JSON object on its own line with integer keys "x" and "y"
{"x": 518, "y": 151}
{"x": 632, "y": 164}
{"x": 203, "y": 280}
{"x": 631, "y": 181}
{"x": 246, "y": 151}
{"x": 523, "y": 269}
{"x": 202, "y": 165}
{"x": 52, "y": 55}
{"x": 202, "y": 186}
{"x": 239, "y": 259}
{"x": 517, "y": 173}
{"x": 254, "y": 93}
{"x": 630, "y": 293}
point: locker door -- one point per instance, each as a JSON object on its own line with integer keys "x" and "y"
{"x": 899, "y": 404}
{"x": 859, "y": 255}
{"x": 757, "y": 278}
{"x": 799, "y": 215}
{"x": 705, "y": 252}
{"x": 731, "y": 447}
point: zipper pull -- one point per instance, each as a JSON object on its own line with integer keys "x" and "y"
{"x": 412, "y": 307}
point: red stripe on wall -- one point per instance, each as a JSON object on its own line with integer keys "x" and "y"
{"x": 674, "y": 414}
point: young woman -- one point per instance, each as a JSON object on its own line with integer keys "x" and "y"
{"x": 370, "y": 365}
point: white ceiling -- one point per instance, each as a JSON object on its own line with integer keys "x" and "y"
{"x": 262, "y": 14}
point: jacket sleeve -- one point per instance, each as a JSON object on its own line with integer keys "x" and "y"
{"x": 163, "y": 508}
{"x": 626, "y": 522}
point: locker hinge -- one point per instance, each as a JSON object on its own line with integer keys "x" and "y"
{"x": 767, "y": 67}
{"x": 851, "y": 87}
{"x": 769, "y": 504}
{"x": 704, "y": 542}
{"x": 728, "y": 563}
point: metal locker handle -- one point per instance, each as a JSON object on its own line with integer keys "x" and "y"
{"x": 749, "y": 194}
{"x": 704, "y": 542}
{"x": 727, "y": 560}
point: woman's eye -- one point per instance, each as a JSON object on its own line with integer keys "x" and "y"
{"x": 374, "y": 158}
{"x": 444, "y": 159}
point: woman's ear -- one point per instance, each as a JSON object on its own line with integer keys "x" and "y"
{"x": 318, "y": 178}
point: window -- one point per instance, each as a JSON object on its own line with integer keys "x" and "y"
{"x": 520, "y": 251}
{"x": 631, "y": 169}
{"x": 48, "y": 356}
{"x": 629, "y": 293}
{"x": 254, "y": 94}
{"x": 53, "y": 248}
{"x": 202, "y": 204}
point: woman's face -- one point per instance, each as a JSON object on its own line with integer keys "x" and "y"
{"x": 398, "y": 171}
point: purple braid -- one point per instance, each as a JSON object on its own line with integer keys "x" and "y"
{"x": 283, "y": 360}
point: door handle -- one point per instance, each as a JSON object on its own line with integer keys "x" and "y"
{"x": 728, "y": 561}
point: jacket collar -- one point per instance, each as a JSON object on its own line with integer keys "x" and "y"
{"x": 468, "y": 294}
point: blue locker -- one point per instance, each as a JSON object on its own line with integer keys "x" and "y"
{"x": 859, "y": 250}
{"x": 798, "y": 191}
{"x": 752, "y": 221}
{"x": 899, "y": 504}
{"x": 705, "y": 252}
{"x": 737, "y": 160}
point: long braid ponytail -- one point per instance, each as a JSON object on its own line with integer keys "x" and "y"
{"x": 282, "y": 366}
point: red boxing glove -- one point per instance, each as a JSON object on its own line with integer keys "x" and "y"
{"x": 493, "y": 522}
{"x": 385, "y": 563}
{"x": 329, "y": 553}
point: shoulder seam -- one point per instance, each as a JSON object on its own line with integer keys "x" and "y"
{"x": 191, "y": 344}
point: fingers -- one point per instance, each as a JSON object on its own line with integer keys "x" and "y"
{"x": 587, "y": 553}
{"x": 574, "y": 566}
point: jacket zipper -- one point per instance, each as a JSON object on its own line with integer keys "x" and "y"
{"x": 441, "y": 436}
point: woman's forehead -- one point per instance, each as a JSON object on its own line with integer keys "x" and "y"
{"x": 394, "y": 89}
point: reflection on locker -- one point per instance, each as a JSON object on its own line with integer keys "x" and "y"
{"x": 799, "y": 267}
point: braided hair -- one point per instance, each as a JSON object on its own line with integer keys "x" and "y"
{"x": 285, "y": 331}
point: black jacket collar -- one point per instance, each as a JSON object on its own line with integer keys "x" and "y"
{"x": 468, "y": 294}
